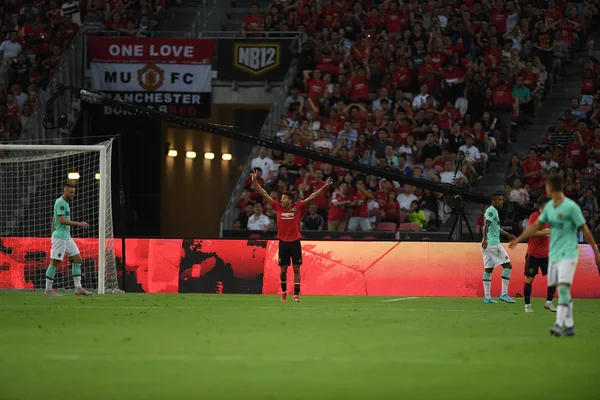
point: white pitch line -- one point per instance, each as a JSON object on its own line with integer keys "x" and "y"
{"x": 266, "y": 359}
{"x": 400, "y": 299}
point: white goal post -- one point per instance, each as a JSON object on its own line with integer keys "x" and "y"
{"x": 32, "y": 177}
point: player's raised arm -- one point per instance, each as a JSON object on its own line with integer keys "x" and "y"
{"x": 531, "y": 229}
{"x": 316, "y": 194}
{"x": 260, "y": 189}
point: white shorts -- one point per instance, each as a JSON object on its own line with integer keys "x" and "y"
{"x": 60, "y": 247}
{"x": 561, "y": 271}
{"x": 494, "y": 256}
{"x": 355, "y": 222}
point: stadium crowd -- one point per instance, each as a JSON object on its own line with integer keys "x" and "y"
{"x": 569, "y": 148}
{"x": 432, "y": 89}
{"x": 36, "y": 36}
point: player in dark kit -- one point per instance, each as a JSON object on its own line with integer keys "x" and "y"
{"x": 536, "y": 258}
{"x": 289, "y": 216}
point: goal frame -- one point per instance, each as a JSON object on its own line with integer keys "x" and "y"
{"x": 101, "y": 150}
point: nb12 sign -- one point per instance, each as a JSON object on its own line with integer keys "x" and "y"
{"x": 257, "y": 59}
{"x": 254, "y": 59}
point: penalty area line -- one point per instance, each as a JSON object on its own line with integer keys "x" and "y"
{"x": 400, "y": 299}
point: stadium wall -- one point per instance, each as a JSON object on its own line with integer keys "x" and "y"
{"x": 329, "y": 268}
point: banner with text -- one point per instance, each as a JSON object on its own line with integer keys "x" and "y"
{"x": 254, "y": 59}
{"x": 170, "y": 75}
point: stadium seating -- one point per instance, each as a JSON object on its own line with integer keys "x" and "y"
{"x": 37, "y": 35}
{"x": 416, "y": 87}
{"x": 387, "y": 227}
{"x": 409, "y": 228}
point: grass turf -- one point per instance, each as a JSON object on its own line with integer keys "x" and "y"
{"x": 138, "y": 346}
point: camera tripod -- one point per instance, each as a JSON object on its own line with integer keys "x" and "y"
{"x": 458, "y": 221}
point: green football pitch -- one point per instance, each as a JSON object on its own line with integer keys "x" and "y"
{"x": 139, "y": 346}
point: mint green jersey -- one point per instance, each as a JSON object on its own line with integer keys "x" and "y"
{"x": 493, "y": 231}
{"x": 565, "y": 221}
{"x": 61, "y": 207}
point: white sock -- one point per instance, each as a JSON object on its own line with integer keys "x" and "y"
{"x": 569, "y": 322}
{"x": 49, "y": 283}
{"x": 486, "y": 288}
{"x": 504, "y": 286}
{"x": 77, "y": 280}
{"x": 561, "y": 314}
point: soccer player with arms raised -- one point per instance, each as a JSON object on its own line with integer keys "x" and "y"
{"x": 62, "y": 243}
{"x": 537, "y": 258}
{"x": 565, "y": 219}
{"x": 493, "y": 252}
{"x": 289, "y": 216}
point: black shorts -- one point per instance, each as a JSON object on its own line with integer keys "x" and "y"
{"x": 290, "y": 251}
{"x": 533, "y": 264}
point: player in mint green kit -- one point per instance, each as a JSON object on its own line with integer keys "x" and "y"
{"x": 493, "y": 252}
{"x": 62, "y": 243}
{"x": 565, "y": 219}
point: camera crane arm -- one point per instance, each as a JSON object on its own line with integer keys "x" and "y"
{"x": 94, "y": 97}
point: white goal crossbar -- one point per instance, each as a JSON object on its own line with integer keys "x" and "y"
{"x": 104, "y": 176}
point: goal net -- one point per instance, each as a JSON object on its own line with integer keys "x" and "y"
{"x": 32, "y": 178}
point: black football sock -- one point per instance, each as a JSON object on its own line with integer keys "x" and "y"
{"x": 527, "y": 292}
{"x": 284, "y": 287}
{"x": 296, "y": 289}
{"x": 551, "y": 291}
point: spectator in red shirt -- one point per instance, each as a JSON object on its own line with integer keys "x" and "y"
{"x": 382, "y": 196}
{"x": 253, "y": 23}
{"x": 116, "y": 22}
{"x": 12, "y": 108}
{"x": 594, "y": 146}
{"x": 589, "y": 82}
{"x": 572, "y": 184}
{"x": 391, "y": 209}
{"x": 499, "y": 16}
{"x": 454, "y": 78}
{"x": 576, "y": 151}
{"x": 316, "y": 185}
{"x": 586, "y": 134}
{"x": 532, "y": 169}
{"x": 359, "y": 84}
{"x": 336, "y": 218}
{"x": 360, "y": 210}
{"x": 249, "y": 180}
{"x": 52, "y": 62}
{"x": 394, "y": 21}
{"x": 54, "y": 12}
{"x": 314, "y": 85}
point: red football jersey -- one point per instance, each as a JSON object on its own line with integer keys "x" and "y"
{"x": 538, "y": 245}
{"x": 288, "y": 220}
{"x": 337, "y": 213}
{"x": 362, "y": 210}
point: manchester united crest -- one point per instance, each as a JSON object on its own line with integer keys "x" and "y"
{"x": 559, "y": 216}
{"x": 151, "y": 77}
